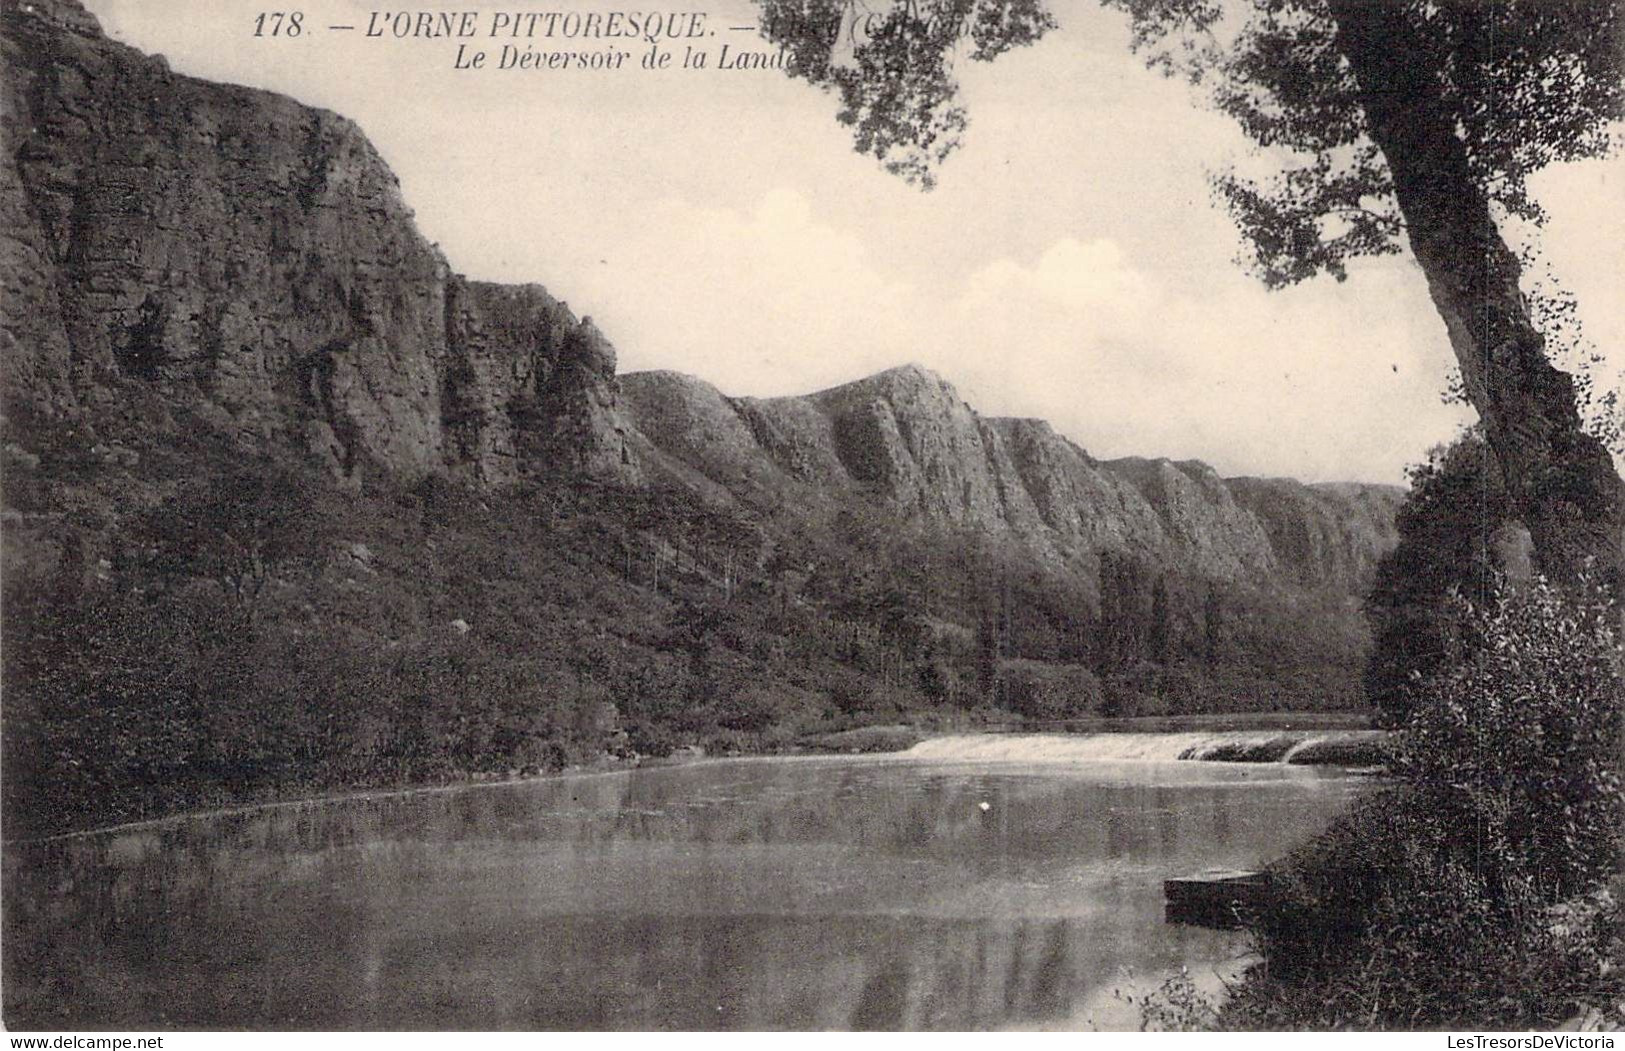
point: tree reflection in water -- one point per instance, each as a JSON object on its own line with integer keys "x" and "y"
{"x": 865, "y": 893}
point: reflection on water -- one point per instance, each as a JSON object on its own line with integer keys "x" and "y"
{"x": 800, "y": 893}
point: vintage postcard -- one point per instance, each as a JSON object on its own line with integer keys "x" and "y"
{"x": 812, "y": 515}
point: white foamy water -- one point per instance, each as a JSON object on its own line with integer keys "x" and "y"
{"x": 1257, "y": 746}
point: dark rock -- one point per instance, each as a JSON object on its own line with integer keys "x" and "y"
{"x": 235, "y": 250}
{"x": 903, "y": 440}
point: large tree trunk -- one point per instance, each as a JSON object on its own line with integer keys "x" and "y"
{"x": 1560, "y": 479}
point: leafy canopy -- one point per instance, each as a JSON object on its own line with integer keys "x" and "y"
{"x": 1528, "y": 83}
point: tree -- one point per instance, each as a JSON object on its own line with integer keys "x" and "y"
{"x": 1212, "y": 626}
{"x": 1448, "y": 529}
{"x": 1160, "y": 635}
{"x": 1415, "y": 117}
{"x": 240, "y": 528}
{"x": 1125, "y": 628}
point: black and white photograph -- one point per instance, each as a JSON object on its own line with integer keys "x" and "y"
{"x": 812, "y": 516}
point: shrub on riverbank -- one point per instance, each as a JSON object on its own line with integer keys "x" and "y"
{"x": 1476, "y": 891}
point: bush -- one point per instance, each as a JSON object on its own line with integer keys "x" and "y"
{"x": 1446, "y": 530}
{"x": 1050, "y": 691}
{"x": 1432, "y": 905}
{"x": 1520, "y": 743}
{"x": 651, "y": 739}
{"x": 1132, "y": 693}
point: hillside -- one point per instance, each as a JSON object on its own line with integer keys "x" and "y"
{"x": 904, "y": 444}
{"x": 289, "y": 504}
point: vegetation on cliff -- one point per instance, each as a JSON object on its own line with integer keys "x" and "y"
{"x": 188, "y": 625}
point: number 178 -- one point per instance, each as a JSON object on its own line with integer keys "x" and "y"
{"x": 276, "y": 23}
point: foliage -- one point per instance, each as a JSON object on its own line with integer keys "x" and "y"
{"x": 1447, "y": 529}
{"x": 1433, "y": 904}
{"x": 240, "y": 528}
{"x": 1520, "y": 743}
{"x": 1528, "y": 82}
{"x": 896, "y": 85}
{"x": 1385, "y": 925}
{"x": 1047, "y": 691}
{"x": 1177, "y": 1006}
{"x": 1556, "y": 312}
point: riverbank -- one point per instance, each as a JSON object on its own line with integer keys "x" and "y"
{"x": 1232, "y": 738}
{"x": 1483, "y": 889}
{"x": 1340, "y": 738}
{"x": 1346, "y": 748}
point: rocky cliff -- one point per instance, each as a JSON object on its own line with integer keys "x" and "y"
{"x": 251, "y": 257}
{"x": 905, "y": 442}
{"x": 287, "y": 502}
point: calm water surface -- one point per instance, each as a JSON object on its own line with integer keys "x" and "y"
{"x": 774, "y": 893}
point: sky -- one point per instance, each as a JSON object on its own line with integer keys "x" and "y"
{"x": 1071, "y": 263}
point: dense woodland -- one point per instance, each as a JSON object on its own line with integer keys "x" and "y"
{"x": 187, "y": 626}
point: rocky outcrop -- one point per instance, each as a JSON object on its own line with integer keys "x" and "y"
{"x": 1329, "y": 532}
{"x": 1074, "y": 496}
{"x": 904, "y": 441}
{"x": 1198, "y": 515}
{"x": 696, "y": 429}
{"x": 253, "y": 258}
{"x": 906, "y": 434}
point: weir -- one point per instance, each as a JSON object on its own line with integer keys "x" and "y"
{"x": 1330, "y": 747}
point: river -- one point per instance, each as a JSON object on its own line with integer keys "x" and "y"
{"x": 918, "y": 891}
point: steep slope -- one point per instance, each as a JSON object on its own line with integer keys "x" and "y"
{"x": 1332, "y": 531}
{"x": 1199, "y": 515}
{"x": 290, "y": 505}
{"x": 251, "y": 258}
{"x": 904, "y": 442}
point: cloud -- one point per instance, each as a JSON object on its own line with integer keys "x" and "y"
{"x": 1252, "y": 381}
{"x": 758, "y": 301}
{"x": 1091, "y": 276}
{"x": 773, "y": 299}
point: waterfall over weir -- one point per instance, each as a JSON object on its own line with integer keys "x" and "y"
{"x": 1327, "y": 747}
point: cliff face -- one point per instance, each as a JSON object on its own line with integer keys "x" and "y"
{"x": 231, "y": 252}
{"x": 905, "y": 442}
{"x": 211, "y": 295}
{"x": 251, "y": 256}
